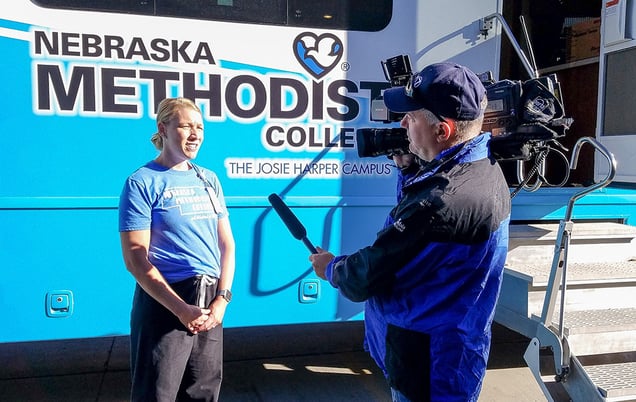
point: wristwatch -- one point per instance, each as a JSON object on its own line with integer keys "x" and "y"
{"x": 226, "y": 294}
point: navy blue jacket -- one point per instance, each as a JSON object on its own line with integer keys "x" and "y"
{"x": 432, "y": 277}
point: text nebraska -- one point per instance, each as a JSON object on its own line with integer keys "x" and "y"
{"x": 116, "y": 47}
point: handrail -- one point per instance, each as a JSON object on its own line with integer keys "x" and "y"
{"x": 574, "y": 159}
{"x": 558, "y": 272}
{"x": 532, "y": 72}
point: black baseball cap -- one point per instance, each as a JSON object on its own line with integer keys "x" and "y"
{"x": 446, "y": 89}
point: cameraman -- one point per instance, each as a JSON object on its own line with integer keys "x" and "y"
{"x": 432, "y": 276}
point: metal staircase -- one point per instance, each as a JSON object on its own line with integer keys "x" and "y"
{"x": 583, "y": 339}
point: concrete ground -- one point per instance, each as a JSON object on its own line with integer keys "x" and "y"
{"x": 318, "y": 362}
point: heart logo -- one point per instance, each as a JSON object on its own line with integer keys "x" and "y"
{"x": 318, "y": 54}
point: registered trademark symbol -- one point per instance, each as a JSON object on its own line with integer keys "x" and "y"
{"x": 345, "y": 66}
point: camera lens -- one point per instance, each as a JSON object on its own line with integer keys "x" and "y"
{"x": 381, "y": 141}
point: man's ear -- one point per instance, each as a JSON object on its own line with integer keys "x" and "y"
{"x": 446, "y": 128}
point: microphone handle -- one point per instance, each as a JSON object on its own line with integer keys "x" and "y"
{"x": 309, "y": 245}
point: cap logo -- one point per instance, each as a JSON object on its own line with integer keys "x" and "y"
{"x": 412, "y": 84}
{"x": 418, "y": 81}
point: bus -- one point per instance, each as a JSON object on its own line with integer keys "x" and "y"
{"x": 284, "y": 86}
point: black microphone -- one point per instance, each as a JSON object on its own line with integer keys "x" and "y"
{"x": 291, "y": 221}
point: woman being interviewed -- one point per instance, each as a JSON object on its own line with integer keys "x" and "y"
{"x": 177, "y": 242}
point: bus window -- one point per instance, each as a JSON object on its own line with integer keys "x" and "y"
{"x": 144, "y": 7}
{"x": 246, "y": 11}
{"x": 619, "y": 89}
{"x": 354, "y": 15}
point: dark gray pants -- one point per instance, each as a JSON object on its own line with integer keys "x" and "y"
{"x": 168, "y": 363}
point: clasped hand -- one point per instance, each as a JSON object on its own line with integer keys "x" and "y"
{"x": 203, "y": 319}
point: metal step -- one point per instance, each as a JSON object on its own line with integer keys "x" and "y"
{"x": 580, "y": 230}
{"x": 614, "y": 380}
{"x": 608, "y": 382}
{"x": 533, "y": 244}
{"x": 593, "y": 332}
{"x": 591, "y": 286}
{"x": 600, "y": 315}
{"x": 601, "y": 269}
{"x": 600, "y": 307}
{"x": 590, "y": 273}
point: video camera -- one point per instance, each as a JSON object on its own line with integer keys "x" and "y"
{"x": 386, "y": 141}
{"x": 522, "y": 116}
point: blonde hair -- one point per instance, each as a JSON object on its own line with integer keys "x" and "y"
{"x": 166, "y": 111}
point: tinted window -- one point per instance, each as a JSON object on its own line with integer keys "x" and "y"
{"x": 358, "y": 15}
{"x": 121, "y": 6}
{"x": 620, "y": 87}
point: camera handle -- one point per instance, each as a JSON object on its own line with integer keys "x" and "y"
{"x": 486, "y": 25}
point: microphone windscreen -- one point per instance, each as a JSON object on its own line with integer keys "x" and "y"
{"x": 291, "y": 221}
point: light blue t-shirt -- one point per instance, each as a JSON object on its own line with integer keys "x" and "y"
{"x": 182, "y": 217}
